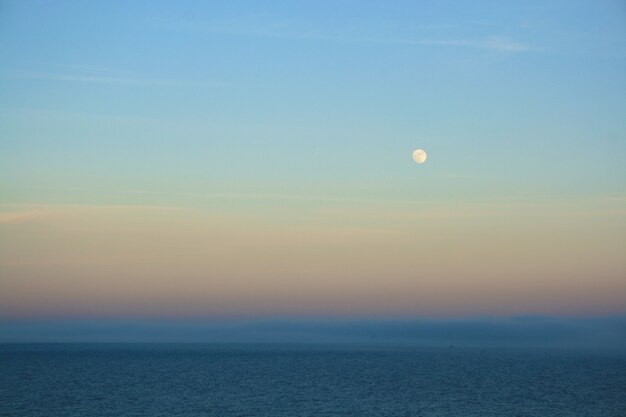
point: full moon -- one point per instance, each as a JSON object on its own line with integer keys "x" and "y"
{"x": 419, "y": 156}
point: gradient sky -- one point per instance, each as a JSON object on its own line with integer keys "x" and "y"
{"x": 253, "y": 159}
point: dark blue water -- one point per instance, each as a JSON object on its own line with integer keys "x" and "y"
{"x": 258, "y": 380}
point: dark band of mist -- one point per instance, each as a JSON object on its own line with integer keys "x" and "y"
{"x": 533, "y": 331}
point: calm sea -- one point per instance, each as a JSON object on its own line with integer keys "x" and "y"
{"x": 282, "y": 380}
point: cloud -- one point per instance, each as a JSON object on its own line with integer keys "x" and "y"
{"x": 491, "y": 43}
{"x": 31, "y": 213}
{"x": 105, "y": 77}
{"x": 18, "y": 217}
{"x": 291, "y": 31}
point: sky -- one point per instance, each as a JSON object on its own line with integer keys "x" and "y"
{"x": 252, "y": 160}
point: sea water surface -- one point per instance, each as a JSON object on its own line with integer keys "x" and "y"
{"x": 307, "y": 380}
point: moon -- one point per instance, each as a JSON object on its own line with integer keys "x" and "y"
{"x": 419, "y": 156}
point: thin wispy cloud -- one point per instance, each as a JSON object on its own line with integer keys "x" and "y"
{"x": 290, "y": 31}
{"x": 110, "y": 78}
{"x": 490, "y": 43}
{"x": 43, "y": 207}
{"x": 34, "y": 213}
{"x": 24, "y": 216}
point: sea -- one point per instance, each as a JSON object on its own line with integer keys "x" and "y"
{"x": 274, "y": 380}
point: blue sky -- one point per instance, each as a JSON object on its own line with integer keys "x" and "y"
{"x": 222, "y": 126}
{"x": 317, "y": 91}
